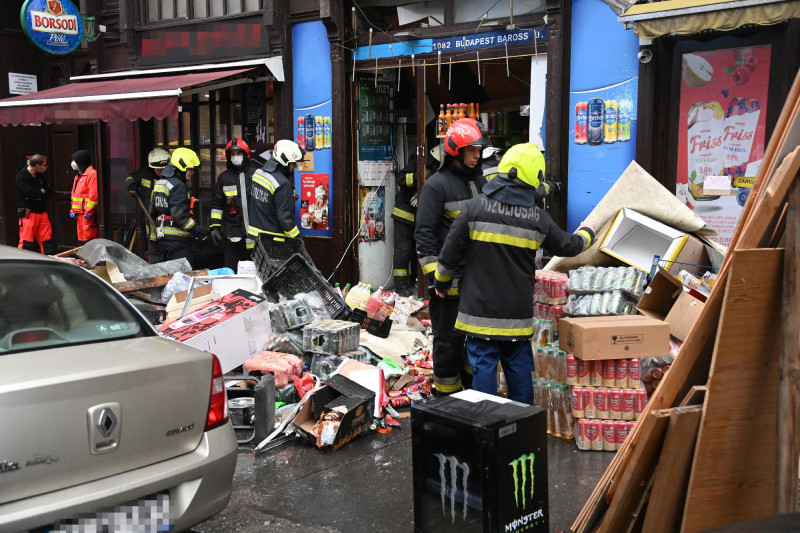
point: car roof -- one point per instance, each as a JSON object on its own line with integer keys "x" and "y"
{"x": 9, "y": 252}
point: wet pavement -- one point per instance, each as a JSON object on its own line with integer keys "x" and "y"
{"x": 367, "y": 486}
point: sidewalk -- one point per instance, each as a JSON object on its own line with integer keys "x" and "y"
{"x": 367, "y": 486}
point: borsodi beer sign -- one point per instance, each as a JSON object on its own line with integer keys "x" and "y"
{"x": 55, "y": 26}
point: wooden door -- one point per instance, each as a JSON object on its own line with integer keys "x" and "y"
{"x": 65, "y": 143}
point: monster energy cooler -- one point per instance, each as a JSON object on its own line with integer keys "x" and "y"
{"x": 479, "y": 465}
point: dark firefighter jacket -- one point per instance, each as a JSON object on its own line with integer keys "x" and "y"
{"x": 226, "y": 205}
{"x": 29, "y": 191}
{"x": 142, "y": 182}
{"x": 271, "y": 203}
{"x": 442, "y": 198}
{"x": 171, "y": 205}
{"x": 406, "y": 189}
{"x": 498, "y": 233}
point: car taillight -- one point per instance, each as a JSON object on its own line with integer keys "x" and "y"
{"x": 218, "y": 402}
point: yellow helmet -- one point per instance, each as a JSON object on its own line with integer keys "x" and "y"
{"x": 528, "y": 161}
{"x": 183, "y": 158}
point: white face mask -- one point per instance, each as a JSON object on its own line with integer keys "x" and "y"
{"x": 237, "y": 160}
{"x": 74, "y": 165}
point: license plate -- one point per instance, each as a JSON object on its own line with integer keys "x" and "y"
{"x": 148, "y": 514}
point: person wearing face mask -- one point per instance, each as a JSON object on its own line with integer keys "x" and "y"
{"x": 35, "y": 231}
{"x": 84, "y": 197}
{"x": 229, "y": 209}
{"x": 442, "y": 198}
{"x": 172, "y": 207}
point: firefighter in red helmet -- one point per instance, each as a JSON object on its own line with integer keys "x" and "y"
{"x": 229, "y": 215}
{"x": 444, "y": 195}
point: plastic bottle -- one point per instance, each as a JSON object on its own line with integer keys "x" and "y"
{"x": 441, "y": 122}
{"x": 374, "y": 303}
{"x": 448, "y": 117}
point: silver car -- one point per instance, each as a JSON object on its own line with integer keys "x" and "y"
{"x": 104, "y": 425}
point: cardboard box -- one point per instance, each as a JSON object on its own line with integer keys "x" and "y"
{"x": 692, "y": 253}
{"x": 355, "y": 404}
{"x": 683, "y": 315}
{"x": 717, "y": 186}
{"x": 635, "y": 238}
{"x": 201, "y": 297}
{"x": 370, "y": 377}
{"x": 234, "y": 328}
{"x": 660, "y": 295}
{"x": 614, "y": 337}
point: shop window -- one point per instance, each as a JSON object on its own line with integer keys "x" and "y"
{"x": 206, "y": 168}
{"x": 200, "y": 8}
{"x": 172, "y": 133}
{"x": 474, "y": 10}
{"x": 158, "y": 10}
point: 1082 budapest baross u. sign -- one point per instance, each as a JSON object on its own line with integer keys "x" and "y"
{"x": 55, "y": 26}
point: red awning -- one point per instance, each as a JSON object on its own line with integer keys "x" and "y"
{"x": 126, "y": 99}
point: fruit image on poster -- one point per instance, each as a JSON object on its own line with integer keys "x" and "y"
{"x": 721, "y": 130}
{"x": 314, "y": 201}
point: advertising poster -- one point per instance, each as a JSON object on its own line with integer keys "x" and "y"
{"x": 372, "y": 201}
{"x": 314, "y": 201}
{"x": 604, "y": 84}
{"x": 313, "y": 128}
{"x": 376, "y": 120}
{"x": 723, "y": 108}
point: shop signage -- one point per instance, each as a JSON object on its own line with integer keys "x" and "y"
{"x": 489, "y": 39}
{"x": 21, "y": 83}
{"x": 55, "y": 26}
{"x": 376, "y": 120}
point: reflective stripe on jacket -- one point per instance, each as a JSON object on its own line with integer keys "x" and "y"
{"x": 84, "y": 192}
{"x": 171, "y": 199}
{"x": 226, "y": 205}
{"x": 271, "y": 206}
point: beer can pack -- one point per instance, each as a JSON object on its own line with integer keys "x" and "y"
{"x": 608, "y": 433}
{"x": 310, "y": 137}
{"x": 581, "y": 122}
{"x": 610, "y": 121}
{"x": 301, "y": 132}
{"x": 595, "y": 127}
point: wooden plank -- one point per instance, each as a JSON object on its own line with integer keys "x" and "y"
{"x": 639, "y": 514}
{"x": 789, "y": 366}
{"x": 158, "y": 281}
{"x": 665, "y": 510}
{"x": 696, "y": 396}
{"x": 68, "y": 252}
{"x": 637, "y": 474}
{"x": 733, "y": 472}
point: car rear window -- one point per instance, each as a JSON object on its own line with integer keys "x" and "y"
{"x": 46, "y": 304}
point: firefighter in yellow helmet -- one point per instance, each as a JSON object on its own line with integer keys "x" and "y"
{"x": 500, "y": 231}
{"x": 172, "y": 207}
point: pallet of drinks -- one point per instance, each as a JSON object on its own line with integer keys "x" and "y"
{"x": 550, "y": 390}
{"x": 549, "y": 296}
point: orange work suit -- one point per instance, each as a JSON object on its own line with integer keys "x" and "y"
{"x": 85, "y": 202}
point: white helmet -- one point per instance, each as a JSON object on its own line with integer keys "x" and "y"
{"x": 158, "y": 158}
{"x": 286, "y": 152}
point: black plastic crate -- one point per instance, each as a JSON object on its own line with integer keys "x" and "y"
{"x": 271, "y": 252}
{"x": 298, "y": 275}
{"x": 376, "y": 327}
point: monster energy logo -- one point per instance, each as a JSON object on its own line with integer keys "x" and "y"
{"x": 521, "y": 473}
{"x": 452, "y": 465}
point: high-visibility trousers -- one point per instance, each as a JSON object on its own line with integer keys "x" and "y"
{"x": 35, "y": 227}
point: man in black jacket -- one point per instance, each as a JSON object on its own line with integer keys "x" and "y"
{"x": 141, "y": 184}
{"x": 32, "y": 193}
{"x": 229, "y": 210}
{"x": 499, "y": 233}
{"x": 442, "y": 198}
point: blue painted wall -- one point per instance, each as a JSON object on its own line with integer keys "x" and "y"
{"x": 604, "y": 65}
{"x": 312, "y": 91}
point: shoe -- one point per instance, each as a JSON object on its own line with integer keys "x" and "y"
{"x": 405, "y": 293}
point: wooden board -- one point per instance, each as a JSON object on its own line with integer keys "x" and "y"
{"x": 147, "y": 283}
{"x": 665, "y": 509}
{"x": 789, "y": 365}
{"x": 636, "y": 476}
{"x": 696, "y": 396}
{"x": 733, "y": 473}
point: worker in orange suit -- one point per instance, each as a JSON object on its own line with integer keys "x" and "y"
{"x": 84, "y": 197}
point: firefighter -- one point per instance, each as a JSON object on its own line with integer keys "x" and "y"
{"x": 140, "y": 185}
{"x": 32, "y": 193}
{"x": 84, "y": 197}
{"x": 501, "y": 231}
{"x": 172, "y": 207}
{"x": 272, "y": 196}
{"x": 443, "y": 197}
{"x": 229, "y": 209}
{"x": 404, "y": 213}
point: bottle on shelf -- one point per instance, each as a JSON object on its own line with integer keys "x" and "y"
{"x": 441, "y": 121}
{"x": 472, "y": 111}
{"x": 449, "y": 116}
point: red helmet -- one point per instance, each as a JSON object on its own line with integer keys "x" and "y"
{"x": 465, "y": 132}
{"x": 237, "y": 144}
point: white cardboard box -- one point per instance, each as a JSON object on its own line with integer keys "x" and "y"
{"x": 635, "y": 238}
{"x": 234, "y": 327}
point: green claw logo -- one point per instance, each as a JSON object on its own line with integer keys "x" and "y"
{"x": 522, "y": 472}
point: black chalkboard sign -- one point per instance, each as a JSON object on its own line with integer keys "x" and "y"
{"x": 376, "y": 120}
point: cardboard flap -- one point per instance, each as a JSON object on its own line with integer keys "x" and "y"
{"x": 660, "y": 295}
{"x": 348, "y": 387}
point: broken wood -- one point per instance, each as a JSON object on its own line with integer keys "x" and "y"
{"x": 147, "y": 283}
{"x": 665, "y": 510}
{"x": 696, "y": 396}
{"x": 68, "y": 252}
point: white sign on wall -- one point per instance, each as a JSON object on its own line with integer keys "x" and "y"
{"x": 21, "y": 83}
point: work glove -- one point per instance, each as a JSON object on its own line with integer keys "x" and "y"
{"x": 414, "y": 201}
{"x": 72, "y": 215}
{"x": 87, "y": 217}
{"x": 216, "y": 237}
{"x": 554, "y": 189}
{"x": 201, "y": 236}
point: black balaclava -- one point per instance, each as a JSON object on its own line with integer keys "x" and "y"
{"x": 81, "y": 157}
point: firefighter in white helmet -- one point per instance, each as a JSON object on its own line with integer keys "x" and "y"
{"x": 141, "y": 184}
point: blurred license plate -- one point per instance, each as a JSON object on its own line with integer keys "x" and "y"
{"x": 148, "y": 514}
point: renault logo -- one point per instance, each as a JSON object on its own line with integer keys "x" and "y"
{"x": 106, "y": 422}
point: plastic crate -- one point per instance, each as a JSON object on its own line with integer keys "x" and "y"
{"x": 375, "y": 327}
{"x": 299, "y": 275}
{"x": 271, "y": 252}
